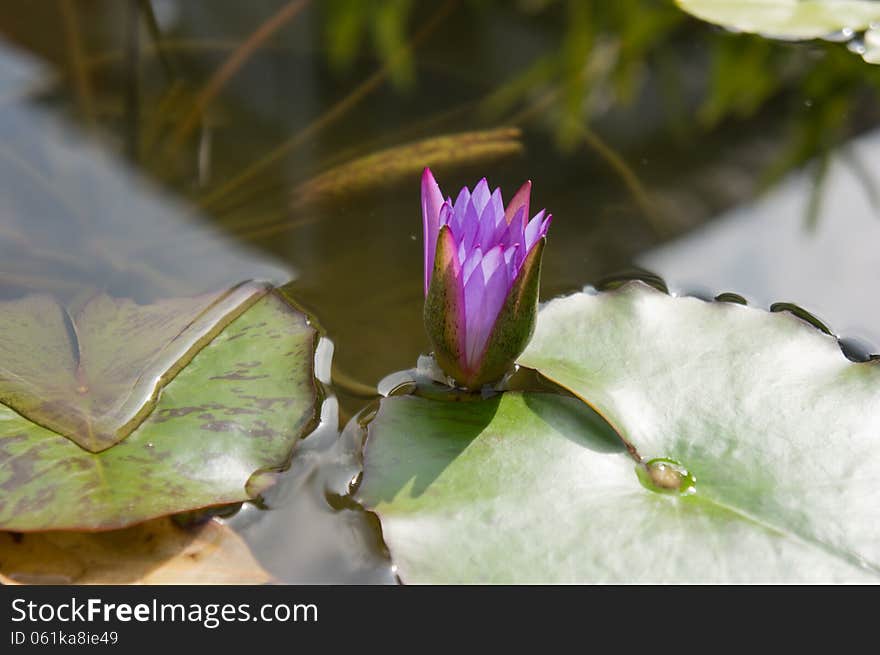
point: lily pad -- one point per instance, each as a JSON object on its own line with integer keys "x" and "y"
{"x": 125, "y": 412}
{"x": 745, "y": 449}
{"x": 90, "y": 374}
{"x": 787, "y": 19}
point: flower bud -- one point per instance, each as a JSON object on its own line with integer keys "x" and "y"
{"x": 482, "y": 277}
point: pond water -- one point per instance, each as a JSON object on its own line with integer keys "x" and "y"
{"x": 165, "y": 148}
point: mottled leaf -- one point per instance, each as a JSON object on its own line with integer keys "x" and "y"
{"x": 212, "y": 412}
{"x": 91, "y": 373}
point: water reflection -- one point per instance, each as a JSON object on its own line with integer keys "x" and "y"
{"x": 308, "y": 531}
{"x": 762, "y": 251}
{"x": 77, "y": 219}
{"x": 651, "y": 134}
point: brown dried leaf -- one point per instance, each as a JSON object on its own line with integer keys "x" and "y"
{"x": 155, "y": 552}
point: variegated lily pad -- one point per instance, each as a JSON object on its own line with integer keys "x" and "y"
{"x": 113, "y": 413}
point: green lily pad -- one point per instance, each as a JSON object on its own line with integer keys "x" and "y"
{"x": 787, "y": 19}
{"x": 89, "y": 374}
{"x": 745, "y": 449}
{"x": 115, "y": 413}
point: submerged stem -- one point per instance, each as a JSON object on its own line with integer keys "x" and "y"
{"x": 351, "y": 386}
{"x": 230, "y": 67}
{"x": 133, "y": 81}
{"x": 84, "y": 94}
{"x": 336, "y": 112}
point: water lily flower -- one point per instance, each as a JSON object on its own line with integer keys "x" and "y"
{"x": 482, "y": 273}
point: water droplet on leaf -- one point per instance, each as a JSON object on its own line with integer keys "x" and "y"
{"x": 667, "y": 476}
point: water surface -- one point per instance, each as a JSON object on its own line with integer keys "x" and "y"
{"x": 130, "y": 164}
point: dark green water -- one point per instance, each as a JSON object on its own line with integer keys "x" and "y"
{"x": 635, "y": 125}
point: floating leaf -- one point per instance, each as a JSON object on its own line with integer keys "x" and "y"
{"x": 754, "y": 450}
{"x": 155, "y": 552}
{"x": 788, "y": 19}
{"x": 132, "y": 412}
{"x": 91, "y": 374}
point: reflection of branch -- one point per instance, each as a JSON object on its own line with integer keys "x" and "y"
{"x": 389, "y": 166}
{"x": 140, "y": 267}
{"x": 377, "y": 169}
{"x": 629, "y": 178}
{"x": 336, "y": 112}
{"x": 84, "y": 95}
{"x": 43, "y": 181}
{"x": 231, "y": 66}
{"x": 507, "y": 95}
{"x": 146, "y": 7}
{"x": 612, "y": 158}
{"x": 407, "y": 132}
{"x": 166, "y": 105}
{"x": 850, "y": 157}
{"x": 352, "y": 387}
{"x": 814, "y": 201}
{"x": 133, "y": 81}
{"x": 169, "y": 45}
{"x": 37, "y": 282}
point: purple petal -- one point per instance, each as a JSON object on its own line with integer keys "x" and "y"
{"x": 461, "y": 203}
{"x": 503, "y": 228}
{"x": 515, "y": 231}
{"x": 497, "y": 205}
{"x": 510, "y": 264}
{"x": 470, "y": 226}
{"x": 493, "y": 211}
{"x": 473, "y": 299}
{"x": 472, "y": 261}
{"x": 534, "y": 229}
{"x": 542, "y": 232}
{"x": 492, "y": 261}
{"x": 520, "y": 199}
{"x": 446, "y": 213}
{"x": 486, "y": 233}
{"x": 480, "y": 196}
{"x": 494, "y": 294}
{"x": 519, "y": 257}
{"x": 432, "y": 201}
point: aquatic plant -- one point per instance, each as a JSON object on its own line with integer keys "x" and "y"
{"x": 482, "y": 274}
